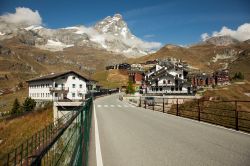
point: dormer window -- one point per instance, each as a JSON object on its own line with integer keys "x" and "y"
{"x": 73, "y": 77}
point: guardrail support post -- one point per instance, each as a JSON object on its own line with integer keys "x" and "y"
{"x": 163, "y": 105}
{"x": 236, "y": 117}
{"x": 199, "y": 111}
{"x": 177, "y": 108}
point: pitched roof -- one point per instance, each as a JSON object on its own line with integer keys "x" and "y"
{"x": 56, "y": 75}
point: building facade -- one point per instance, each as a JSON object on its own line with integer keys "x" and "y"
{"x": 60, "y": 86}
{"x": 168, "y": 79}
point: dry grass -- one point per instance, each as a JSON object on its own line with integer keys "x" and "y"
{"x": 112, "y": 78}
{"x": 14, "y": 132}
{"x": 6, "y": 101}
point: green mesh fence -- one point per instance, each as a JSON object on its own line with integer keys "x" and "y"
{"x": 64, "y": 142}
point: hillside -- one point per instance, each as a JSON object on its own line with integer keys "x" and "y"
{"x": 19, "y": 61}
{"x": 112, "y": 78}
{"x": 205, "y": 57}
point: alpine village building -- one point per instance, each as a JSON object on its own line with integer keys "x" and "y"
{"x": 60, "y": 86}
{"x": 167, "y": 78}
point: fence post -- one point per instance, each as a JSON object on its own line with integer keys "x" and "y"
{"x": 140, "y": 102}
{"x": 177, "y": 108}
{"x": 236, "y": 117}
{"x": 163, "y": 105}
{"x": 199, "y": 111}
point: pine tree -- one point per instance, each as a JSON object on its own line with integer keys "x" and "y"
{"x": 16, "y": 107}
{"x": 29, "y": 104}
{"x": 130, "y": 88}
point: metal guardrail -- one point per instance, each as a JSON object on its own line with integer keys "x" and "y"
{"x": 230, "y": 113}
{"x": 64, "y": 142}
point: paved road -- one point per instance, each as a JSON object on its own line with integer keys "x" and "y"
{"x": 131, "y": 136}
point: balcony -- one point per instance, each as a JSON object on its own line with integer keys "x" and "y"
{"x": 59, "y": 89}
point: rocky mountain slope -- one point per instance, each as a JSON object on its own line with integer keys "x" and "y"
{"x": 19, "y": 61}
{"x": 111, "y": 34}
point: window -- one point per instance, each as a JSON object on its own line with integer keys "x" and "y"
{"x": 73, "y": 85}
{"x": 80, "y": 85}
{"x": 160, "y": 88}
{"x": 164, "y": 81}
{"x": 172, "y": 88}
{"x": 180, "y": 75}
{"x": 73, "y": 94}
{"x": 56, "y": 85}
{"x": 80, "y": 94}
{"x": 168, "y": 81}
{"x": 180, "y": 88}
{"x": 73, "y": 77}
{"x": 56, "y": 95}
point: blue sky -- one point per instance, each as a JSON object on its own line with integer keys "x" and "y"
{"x": 167, "y": 21}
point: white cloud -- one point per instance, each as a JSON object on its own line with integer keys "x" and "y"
{"x": 204, "y": 36}
{"x": 23, "y": 16}
{"x": 136, "y": 42}
{"x": 242, "y": 33}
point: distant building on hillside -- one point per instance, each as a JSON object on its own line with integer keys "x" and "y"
{"x": 58, "y": 86}
{"x": 121, "y": 66}
{"x": 221, "y": 77}
{"x": 137, "y": 77}
{"x": 199, "y": 80}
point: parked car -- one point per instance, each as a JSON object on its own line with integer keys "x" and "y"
{"x": 150, "y": 100}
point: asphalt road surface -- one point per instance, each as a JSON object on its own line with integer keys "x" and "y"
{"x": 130, "y": 136}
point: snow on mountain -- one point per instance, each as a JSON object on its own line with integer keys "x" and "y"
{"x": 111, "y": 33}
{"x": 33, "y": 27}
{"x": 221, "y": 40}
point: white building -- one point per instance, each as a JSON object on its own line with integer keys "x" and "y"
{"x": 167, "y": 79}
{"x": 59, "y": 86}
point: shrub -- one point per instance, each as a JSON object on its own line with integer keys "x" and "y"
{"x": 130, "y": 88}
{"x": 16, "y": 107}
{"x": 238, "y": 76}
{"x": 29, "y": 104}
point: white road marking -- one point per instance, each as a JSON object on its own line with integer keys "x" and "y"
{"x": 125, "y": 106}
{"x": 119, "y": 106}
{"x": 99, "y": 105}
{"x": 97, "y": 143}
{"x": 112, "y": 106}
{"x": 105, "y": 105}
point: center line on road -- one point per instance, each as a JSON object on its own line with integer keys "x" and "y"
{"x": 99, "y": 105}
{"x": 105, "y": 105}
{"x": 119, "y": 106}
{"x": 111, "y": 105}
{"x": 97, "y": 143}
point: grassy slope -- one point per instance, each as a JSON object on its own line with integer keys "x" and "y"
{"x": 6, "y": 101}
{"x": 111, "y": 78}
{"x": 14, "y": 132}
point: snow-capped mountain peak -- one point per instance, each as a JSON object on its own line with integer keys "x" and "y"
{"x": 111, "y": 34}
{"x": 114, "y": 25}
